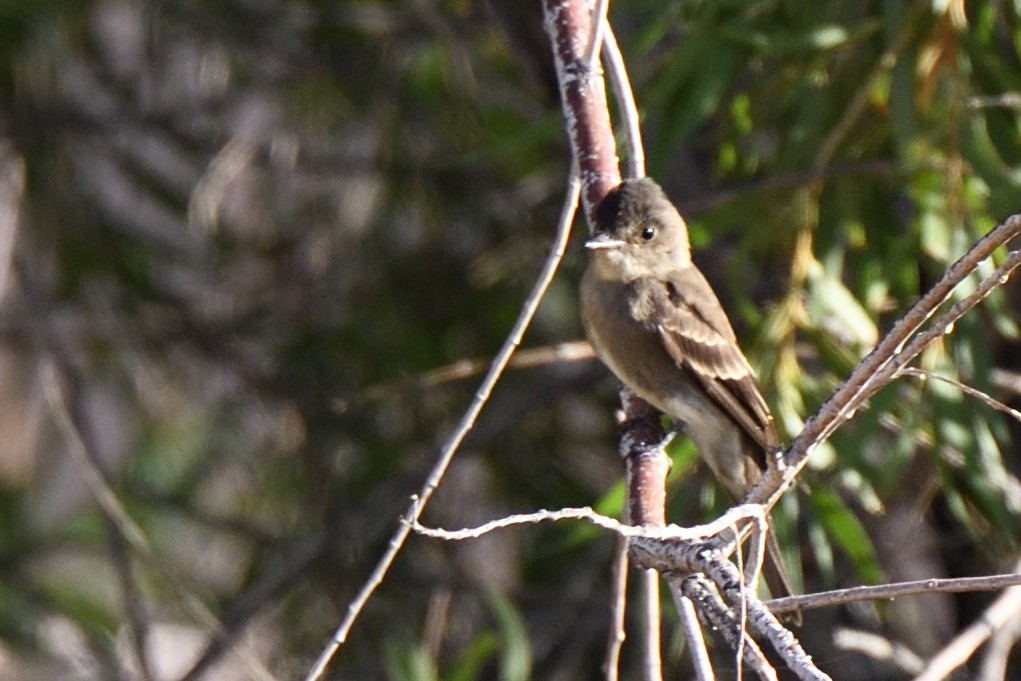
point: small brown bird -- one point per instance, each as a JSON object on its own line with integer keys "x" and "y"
{"x": 656, "y": 323}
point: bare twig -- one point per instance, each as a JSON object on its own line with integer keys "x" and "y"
{"x": 625, "y": 99}
{"x": 854, "y": 109}
{"x": 617, "y": 634}
{"x": 653, "y": 665}
{"x": 878, "y": 648}
{"x": 729, "y": 580}
{"x": 642, "y": 447}
{"x": 292, "y": 566}
{"x": 601, "y": 28}
{"x": 569, "y": 24}
{"x": 718, "y": 616}
{"x": 1003, "y": 609}
{"x": 897, "y": 590}
{"x": 966, "y": 389}
{"x": 896, "y": 350}
{"x": 137, "y": 613}
{"x": 692, "y": 632}
{"x": 463, "y": 369}
{"x": 62, "y": 383}
{"x": 728, "y": 520}
{"x": 998, "y": 651}
{"x": 59, "y": 382}
{"x": 1007, "y": 100}
{"x": 465, "y": 425}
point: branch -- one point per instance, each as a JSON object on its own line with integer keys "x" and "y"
{"x": 464, "y": 426}
{"x": 895, "y": 351}
{"x": 577, "y": 34}
{"x": 569, "y": 24}
{"x": 692, "y": 632}
{"x": 896, "y": 590}
{"x": 686, "y": 557}
{"x": 715, "y": 614}
{"x": 617, "y": 634}
{"x": 1005, "y": 608}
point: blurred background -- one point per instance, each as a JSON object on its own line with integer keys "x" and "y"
{"x": 251, "y": 252}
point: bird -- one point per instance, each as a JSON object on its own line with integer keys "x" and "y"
{"x": 656, "y": 323}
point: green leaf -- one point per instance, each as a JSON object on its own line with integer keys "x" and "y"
{"x": 690, "y": 89}
{"x": 835, "y": 308}
{"x": 408, "y": 662}
{"x": 825, "y": 37}
{"x": 516, "y": 655}
{"x": 467, "y": 666}
{"x": 841, "y": 524}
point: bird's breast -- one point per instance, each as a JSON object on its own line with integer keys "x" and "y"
{"x": 631, "y": 347}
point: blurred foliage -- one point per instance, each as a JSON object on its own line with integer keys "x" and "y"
{"x": 247, "y": 227}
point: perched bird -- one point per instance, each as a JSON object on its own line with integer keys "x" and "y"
{"x": 656, "y": 323}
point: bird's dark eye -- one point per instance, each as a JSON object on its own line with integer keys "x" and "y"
{"x": 648, "y": 233}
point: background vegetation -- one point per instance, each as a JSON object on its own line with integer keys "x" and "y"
{"x": 238, "y": 237}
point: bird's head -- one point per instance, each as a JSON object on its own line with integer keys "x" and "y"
{"x": 638, "y": 232}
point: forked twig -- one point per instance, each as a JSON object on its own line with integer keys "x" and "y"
{"x": 896, "y": 350}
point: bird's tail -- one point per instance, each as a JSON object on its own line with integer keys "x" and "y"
{"x": 776, "y": 577}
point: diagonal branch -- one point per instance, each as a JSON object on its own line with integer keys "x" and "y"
{"x": 897, "y": 349}
{"x": 464, "y": 426}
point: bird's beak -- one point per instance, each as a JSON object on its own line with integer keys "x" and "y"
{"x": 603, "y": 241}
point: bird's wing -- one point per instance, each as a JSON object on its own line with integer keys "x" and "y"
{"x": 696, "y": 333}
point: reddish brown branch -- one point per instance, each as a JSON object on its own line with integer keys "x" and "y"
{"x": 570, "y": 28}
{"x": 641, "y": 447}
{"x": 569, "y": 24}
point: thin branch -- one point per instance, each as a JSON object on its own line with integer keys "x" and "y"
{"x": 1007, "y": 100}
{"x": 708, "y": 201}
{"x": 465, "y": 425}
{"x": 602, "y": 27}
{"x": 582, "y": 90}
{"x": 884, "y": 592}
{"x": 958, "y": 651}
{"x": 463, "y": 369}
{"x": 692, "y": 632}
{"x": 617, "y": 633}
{"x": 663, "y": 550}
{"x": 653, "y": 664}
{"x": 731, "y": 584}
{"x": 1006, "y": 380}
{"x": 647, "y": 465}
{"x": 715, "y": 613}
{"x": 137, "y": 613}
{"x": 293, "y": 564}
{"x": 61, "y": 384}
{"x": 880, "y": 648}
{"x": 854, "y": 109}
{"x": 59, "y": 381}
{"x": 998, "y": 650}
{"x": 642, "y": 446}
{"x": 966, "y": 389}
{"x": 895, "y": 351}
{"x": 728, "y": 520}
{"x": 621, "y": 85}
